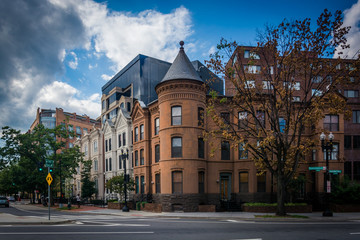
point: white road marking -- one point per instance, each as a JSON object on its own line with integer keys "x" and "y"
{"x": 72, "y": 233}
{"x": 357, "y": 233}
{"x": 248, "y": 239}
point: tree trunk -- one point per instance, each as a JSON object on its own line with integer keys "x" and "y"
{"x": 281, "y": 195}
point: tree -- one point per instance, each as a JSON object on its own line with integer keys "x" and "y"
{"x": 116, "y": 185}
{"x": 29, "y": 151}
{"x": 87, "y": 186}
{"x": 279, "y": 92}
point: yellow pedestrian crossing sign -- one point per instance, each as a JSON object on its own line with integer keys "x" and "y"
{"x": 49, "y": 179}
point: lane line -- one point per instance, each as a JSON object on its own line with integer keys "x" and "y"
{"x": 357, "y": 233}
{"x": 72, "y": 233}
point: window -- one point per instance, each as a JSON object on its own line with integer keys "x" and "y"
{"x": 356, "y": 142}
{"x": 316, "y": 92}
{"x": 226, "y": 118}
{"x": 120, "y": 160}
{"x": 250, "y": 84}
{"x": 122, "y": 105}
{"x": 313, "y": 155}
{"x": 201, "y": 183}
{"x": 86, "y": 150}
{"x": 260, "y": 116}
{"x": 141, "y": 156}
{"x": 252, "y": 69}
{"x": 201, "y": 116}
{"x": 243, "y": 182}
{"x": 85, "y": 130}
{"x": 136, "y": 158}
{"x": 128, "y": 107}
{"x": 296, "y": 99}
{"x": 109, "y": 144}
{"x": 103, "y": 104}
{"x": 137, "y": 184}
{"x": 142, "y": 185}
{"x": 177, "y": 179}
{"x": 351, "y": 93}
{"x": 157, "y": 126}
{"x": 249, "y": 54}
{"x": 106, "y": 145}
{"x": 71, "y": 145}
{"x": 317, "y": 79}
{"x": 356, "y": 116}
{"x": 71, "y": 128}
{"x": 334, "y": 154}
{"x": 176, "y": 147}
{"x": 124, "y": 138}
{"x": 119, "y": 140}
{"x": 136, "y": 134}
{"x": 96, "y": 165}
{"x": 110, "y": 164}
{"x": 261, "y": 183}
{"x": 243, "y": 153}
{"x": 95, "y": 146}
{"x": 225, "y": 150}
{"x": 267, "y": 85}
{"x": 157, "y": 153}
{"x": 201, "y": 147}
{"x": 176, "y": 116}
{"x": 331, "y": 123}
{"x": 157, "y": 183}
{"x": 282, "y": 124}
{"x": 242, "y": 120}
{"x": 106, "y": 165}
{"x": 141, "y": 132}
{"x": 292, "y": 85}
{"x": 347, "y": 142}
{"x": 78, "y": 130}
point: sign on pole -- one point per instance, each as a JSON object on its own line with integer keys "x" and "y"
{"x": 49, "y": 163}
{"x": 317, "y": 168}
{"x": 335, "y": 171}
{"x": 49, "y": 178}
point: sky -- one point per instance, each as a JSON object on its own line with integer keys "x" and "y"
{"x": 59, "y": 53}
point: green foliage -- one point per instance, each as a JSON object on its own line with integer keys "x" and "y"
{"x": 347, "y": 192}
{"x": 116, "y": 185}
{"x": 87, "y": 186}
{"x": 140, "y": 205}
{"x": 23, "y": 153}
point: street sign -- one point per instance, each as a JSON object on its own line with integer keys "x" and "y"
{"x": 49, "y": 179}
{"x": 335, "y": 171}
{"x": 317, "y": 168}
{"x": 49, "y": 163}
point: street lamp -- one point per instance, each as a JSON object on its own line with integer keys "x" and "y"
{"x": 124, "y": 157}
{"x": 326, "y": 148}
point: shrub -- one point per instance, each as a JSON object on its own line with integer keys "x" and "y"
{"x": 272, "y": 204}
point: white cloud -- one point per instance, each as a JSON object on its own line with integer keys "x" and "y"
{"x": 59, "y": 94}
{"x": 352, "y": 18}
{"x": 122, "y": 36}
{"x": 92, "y": 66}
{"x": 35, "y": 47}
{"x": 74, "y": 63}
{"x": 106, "y": 77}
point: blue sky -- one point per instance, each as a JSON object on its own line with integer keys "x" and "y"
{"x": 59, "y": 53}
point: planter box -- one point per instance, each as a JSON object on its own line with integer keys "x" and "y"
{"x": 345, "y": 207}
{"x": 272, "y": 209}
{"x": 207, "y": 208}
{"x": 152, "y": 207}
{"x": 115, "y": 205}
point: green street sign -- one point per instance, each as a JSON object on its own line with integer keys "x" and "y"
{"x": 317, "y": 168}
{"x": 49, "y": 163}
{"x": 335, "y": 171}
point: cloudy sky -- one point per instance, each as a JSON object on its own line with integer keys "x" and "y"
{"x": 59, "y": 53}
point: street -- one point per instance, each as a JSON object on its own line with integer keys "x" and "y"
{"x": 87, "y": 226}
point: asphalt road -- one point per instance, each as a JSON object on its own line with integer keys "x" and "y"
{"x": 116, "y": 227}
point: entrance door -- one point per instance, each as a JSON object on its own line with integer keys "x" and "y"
{"x": 225, "y": 186}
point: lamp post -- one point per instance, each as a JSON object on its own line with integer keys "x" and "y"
{"x": 326, "y": 148}
{"x": 124, "y": 157}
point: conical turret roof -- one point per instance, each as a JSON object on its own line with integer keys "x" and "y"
{"x": 181, "y": 68}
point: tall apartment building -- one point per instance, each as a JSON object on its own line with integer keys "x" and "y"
{"x": 172, "y": 162}
{"x": 80, "y": 124}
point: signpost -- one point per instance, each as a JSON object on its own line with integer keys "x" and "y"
{"x": 49, "y": 179}
{"x": 317, "y": 168}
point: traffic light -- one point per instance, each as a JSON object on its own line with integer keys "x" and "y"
{"x": 40, "y": 167}
{"x": 51, "y": 170}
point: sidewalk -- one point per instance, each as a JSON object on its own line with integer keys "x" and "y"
{"x": 8, "y": 219}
